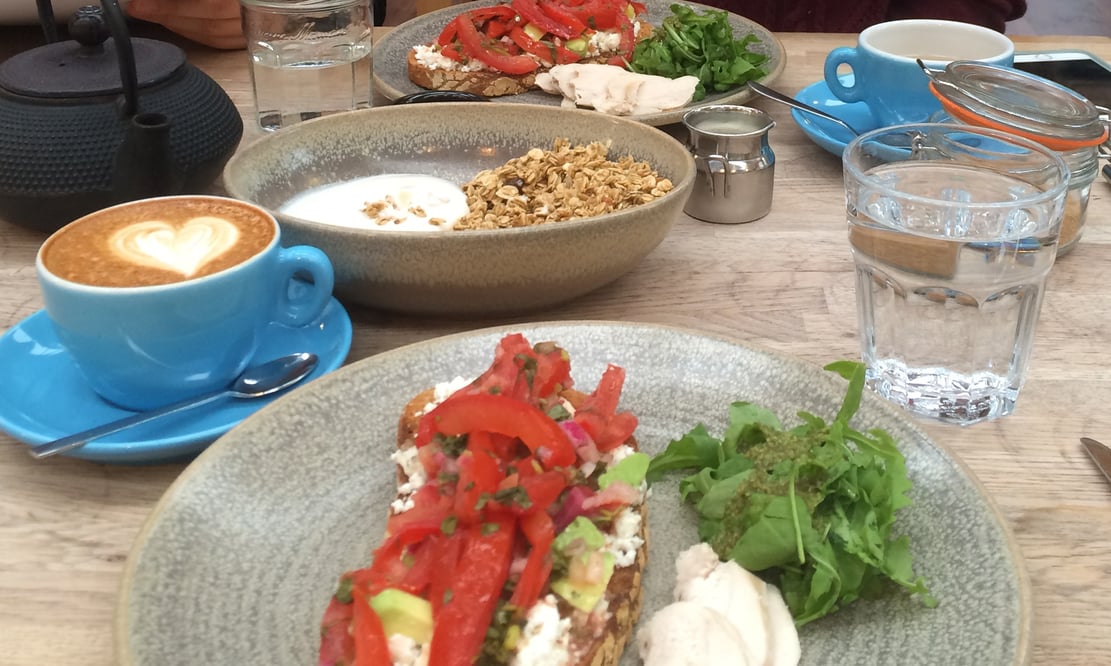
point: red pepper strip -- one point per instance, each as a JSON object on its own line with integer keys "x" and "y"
{"x": 450, "y": 31}
{"x": 423, "y": 519}
{"x": 553, "y": 365}
{"x": 543, "y": 490}
{"x": 540, "y": 532}
{"x": 371, "y": 646}
{"x": 597, "y": 14}
{"x": 336, "y": 645}
{"x": 495, "y": 29}
{"x": 530, "y": 12}
{"x": 479, "y": 474}
{"x": 628, "y": 34}
{"x": 499, "y": 414}
{"x": 639, "y": 7}
{"x": 543, "y": 50}
{"x": 460, "y": 626}
{"x": 557, "y": 13}
{"x": 443, "y": 573}
{"x": 475, "y": 47}
{"x": 507, "y": 373}
{"x": 598, "y": 412}
{"x": 420, "y": 560}
{"x": 504, "y": 12}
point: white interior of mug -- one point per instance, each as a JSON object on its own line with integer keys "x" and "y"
{"x": 936, "y": 41}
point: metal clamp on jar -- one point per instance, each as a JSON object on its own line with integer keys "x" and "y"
{"x": 1035, "y": 108}
{"x": 735, "y": 164}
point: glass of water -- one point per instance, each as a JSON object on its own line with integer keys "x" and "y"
{"x": 953, "y": 231}
{"x": 309, "y": 58}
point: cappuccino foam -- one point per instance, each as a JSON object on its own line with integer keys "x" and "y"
{"x": 158, "y": 241}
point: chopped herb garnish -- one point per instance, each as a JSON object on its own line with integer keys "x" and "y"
{"x": 448, "y": 525}
{"x": 452, "y": 445}
{"x": 448, "y": 594}
{"x": 489, "y": 528}
{"x": 514, "y": 495}
{"x": 558, "y": 412}
{"x": 343, "y": 590}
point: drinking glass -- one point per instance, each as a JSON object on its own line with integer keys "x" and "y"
{"x": 953, "y": 231}
{"x": 309, "y": 58}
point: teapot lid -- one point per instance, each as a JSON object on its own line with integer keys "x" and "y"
{"x": 88, "y": 66}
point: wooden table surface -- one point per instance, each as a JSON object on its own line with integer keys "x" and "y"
{"x": 784, "y": 282}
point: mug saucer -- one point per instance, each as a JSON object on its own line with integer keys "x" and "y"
{"x": 44, "y": 397}
{"x": 831, "y": 136}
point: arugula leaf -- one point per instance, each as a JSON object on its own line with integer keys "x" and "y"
{"x": 701, "y": 45}
{"x": 813, "y": 506}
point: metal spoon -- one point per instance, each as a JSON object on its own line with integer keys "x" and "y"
{"x": 790, "y": 101}
{"x": 256, "y": 381}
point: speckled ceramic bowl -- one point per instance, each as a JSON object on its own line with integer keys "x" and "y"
{"x": 237, "y": 561}
{"x": 471, "y": 272}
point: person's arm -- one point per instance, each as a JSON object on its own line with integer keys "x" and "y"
{"x": 215, "y": 23}
{"x": 991, "y": 13}
{"x": 854, "y": 16}
{"x": 808, "y": 15}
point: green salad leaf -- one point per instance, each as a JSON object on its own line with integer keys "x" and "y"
{"x": 702, "y": 45}
{"x": 813, "y": 506}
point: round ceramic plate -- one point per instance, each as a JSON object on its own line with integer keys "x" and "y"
{"x": 391, "y": 69}
{"x": 238, "y": 560}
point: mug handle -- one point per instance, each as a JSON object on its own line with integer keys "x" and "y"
{"x": 843, "y": 55}
{"x": 300, "y": 302}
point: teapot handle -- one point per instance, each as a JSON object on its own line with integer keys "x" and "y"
{"x": 46, "y": 20}
{"x": 117, "y": 26}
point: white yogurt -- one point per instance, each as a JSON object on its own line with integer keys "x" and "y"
{"x": 391, "y": 202}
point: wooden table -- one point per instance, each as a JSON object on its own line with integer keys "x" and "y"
{"x": 784, "y": 282}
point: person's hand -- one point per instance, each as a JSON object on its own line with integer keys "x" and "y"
{"x": 214, "y": 23}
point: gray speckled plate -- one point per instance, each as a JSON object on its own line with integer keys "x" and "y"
{"x": 391, "y": 69}
{"x": 237, "y": 561}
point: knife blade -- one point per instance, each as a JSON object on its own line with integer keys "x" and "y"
{"x": 1100, "y": 455}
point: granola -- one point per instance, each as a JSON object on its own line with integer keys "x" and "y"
{"x": 563, "y": 183}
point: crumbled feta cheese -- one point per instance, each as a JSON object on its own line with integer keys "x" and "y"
{"x": 431, "y": 58}
{"x": 404, "y": 651}
{"x": 625, "y": 539}
{"x": 546, "y": 638}
{"x": 603, "y": 42}
{"x": 618, "y": 454}
{"x": 409, "y": 462}
{"x": 443, "y": 391}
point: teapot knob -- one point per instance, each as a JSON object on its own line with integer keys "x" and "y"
{"x": 88, "y": 27}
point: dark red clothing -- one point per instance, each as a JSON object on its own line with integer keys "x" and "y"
{"x": 855, "y": 15}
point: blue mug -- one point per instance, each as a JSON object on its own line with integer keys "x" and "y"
{"x": 886, "y": 76}
{"x": 144, "y": 335}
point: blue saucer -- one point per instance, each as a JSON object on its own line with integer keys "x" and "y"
{"x": 830, "y": 135}
{"x": 43, "y": 395}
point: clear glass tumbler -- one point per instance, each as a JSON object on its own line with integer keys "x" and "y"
{"x": 309, "y": 58}
{"x": 953, "y": 231}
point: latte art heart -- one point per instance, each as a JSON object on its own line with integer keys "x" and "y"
{"x": 184, "y": 250}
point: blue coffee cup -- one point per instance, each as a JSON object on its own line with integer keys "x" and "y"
{"x": 145, "y": 345}
{"x": 886, "y": 76}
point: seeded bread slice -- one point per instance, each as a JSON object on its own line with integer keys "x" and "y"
{"x": 490, "y": 83}
{"x": 595, "y": 641}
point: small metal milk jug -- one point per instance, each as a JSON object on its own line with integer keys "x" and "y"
{"x": 736, "y": 166}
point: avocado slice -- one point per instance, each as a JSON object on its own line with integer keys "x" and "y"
{"x": 584, "y": 596}
{"x": 583, "y": 541}
{"x": 403, "y": 613}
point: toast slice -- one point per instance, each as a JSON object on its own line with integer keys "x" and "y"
{"x": 598, "y": 639}
{"x": 428, "y": 68}
{"x": 588, "y": 604}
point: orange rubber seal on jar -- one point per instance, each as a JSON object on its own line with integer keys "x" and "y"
{"x": 1053, "y": 143}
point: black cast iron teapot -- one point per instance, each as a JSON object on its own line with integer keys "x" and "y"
{"x": 104, "y": 118}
